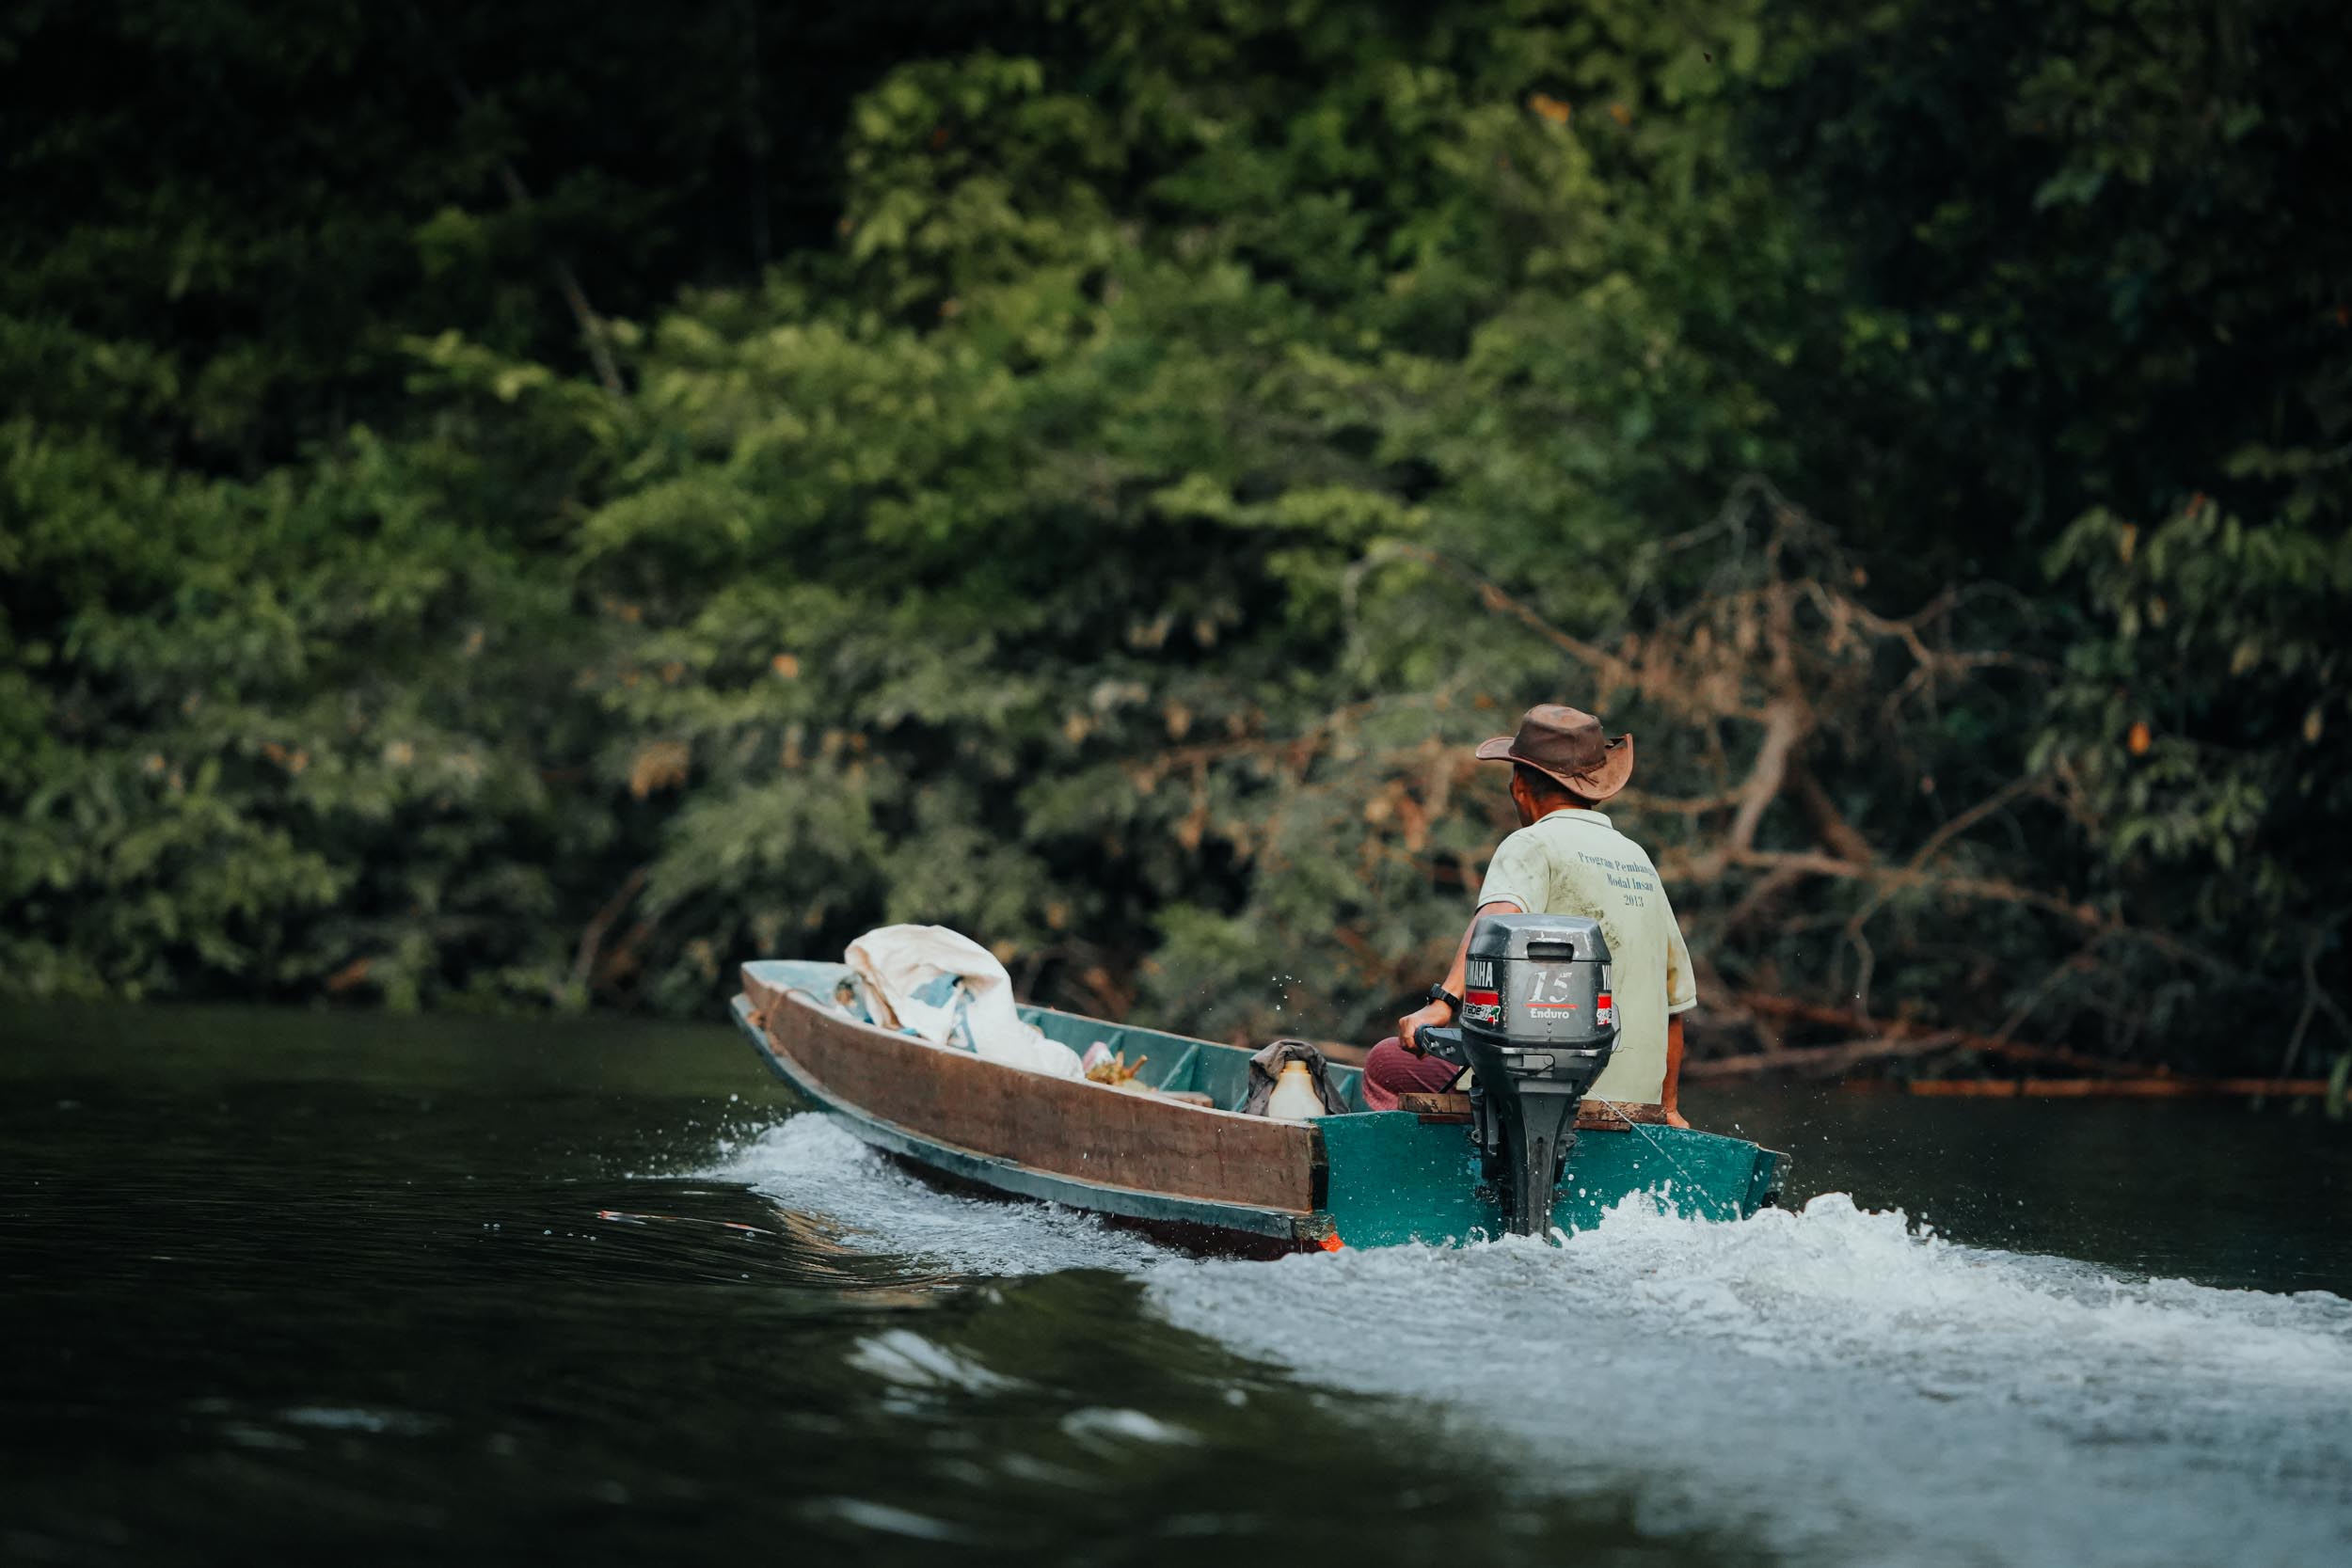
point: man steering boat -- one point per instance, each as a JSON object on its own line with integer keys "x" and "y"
{"x": 1567, "y": 858}
{"x": 1577, "y": 973}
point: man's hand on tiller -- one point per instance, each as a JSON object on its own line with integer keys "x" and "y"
{"x": 1431, "y": 1015}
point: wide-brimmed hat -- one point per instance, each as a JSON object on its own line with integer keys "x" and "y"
{"x": 1567, "y": 744}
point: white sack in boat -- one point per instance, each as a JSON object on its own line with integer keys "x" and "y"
{"x": 950, "y": 991}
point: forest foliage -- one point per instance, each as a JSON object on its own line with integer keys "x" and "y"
{"x": 511, "y": 509}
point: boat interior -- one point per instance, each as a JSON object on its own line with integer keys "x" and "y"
{"x": 1172, "y": 1063}
{"x": 1176, "y": 1064}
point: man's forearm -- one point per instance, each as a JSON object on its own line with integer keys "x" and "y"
{"x": 1436, "y": 1012}
{"x": 1674, "y": 1068}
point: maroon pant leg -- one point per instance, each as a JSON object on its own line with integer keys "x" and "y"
{"x": 1391, "y": 1070}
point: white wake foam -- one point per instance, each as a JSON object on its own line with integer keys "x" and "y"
{"x": 1832, "y": 1385}
{"x": 809, "y": 1163}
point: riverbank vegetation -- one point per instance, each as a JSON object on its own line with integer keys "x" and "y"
{"x": 527, "y": 508}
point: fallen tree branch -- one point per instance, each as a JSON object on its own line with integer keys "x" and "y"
{"x": 1821, "y": 1060}
{"x": 1839, "y": 1018}
{"x": 2314, "y": 996}
{"x": 1759, "y": 897}
{"x": 1783, "y": 725}
{"x": 1992, "y": 889}
{"x": 1838, "y": 836}
{"x": 1614, "y": 671}
{"x": 592, "y": 936}
{"x": 2114, "y": 1089}
{"x": 1965, "y": 820}
{"x": 1635, "y": 800}
{"x": 1900, "y": 878}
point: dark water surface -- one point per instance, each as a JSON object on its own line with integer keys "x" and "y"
{"x": 287, "y": 1286}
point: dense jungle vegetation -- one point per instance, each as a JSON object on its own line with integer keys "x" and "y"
{"x": 527, "y": 505}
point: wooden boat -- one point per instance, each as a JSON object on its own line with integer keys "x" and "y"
{"x": 1205, "y": 1176}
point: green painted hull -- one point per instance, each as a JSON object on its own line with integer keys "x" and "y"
{"x": 1382, "y": 1178}
{"x": 1394, "y": 1177}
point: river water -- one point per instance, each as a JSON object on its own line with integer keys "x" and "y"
{"x": 281, "y": 1285}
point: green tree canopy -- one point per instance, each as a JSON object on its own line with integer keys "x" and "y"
{"x": 1095, "y": 485}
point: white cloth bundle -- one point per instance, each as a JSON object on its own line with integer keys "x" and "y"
{"x": 948, "y": 989}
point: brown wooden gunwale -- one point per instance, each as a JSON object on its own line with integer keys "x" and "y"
{"x": 1064, "y": 1126}
{"x": 1594, "y": 1116}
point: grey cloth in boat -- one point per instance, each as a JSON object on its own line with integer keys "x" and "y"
{"x": 1267, "y": 1067}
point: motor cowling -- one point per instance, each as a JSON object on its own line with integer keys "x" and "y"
{"x": 1538, "y": 1023}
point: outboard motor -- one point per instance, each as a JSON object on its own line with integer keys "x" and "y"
{"x": 1538, "y": 1023}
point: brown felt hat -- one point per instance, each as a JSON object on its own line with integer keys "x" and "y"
{"x": 1567, "y": 744}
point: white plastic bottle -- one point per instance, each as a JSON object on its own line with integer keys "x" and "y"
{"x": 1293, "y": 1098}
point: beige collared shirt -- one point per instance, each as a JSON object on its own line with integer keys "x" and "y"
{"x": 1572, "y": 861}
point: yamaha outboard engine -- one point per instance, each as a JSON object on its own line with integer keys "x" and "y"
{"x": 1537, "y": 1026}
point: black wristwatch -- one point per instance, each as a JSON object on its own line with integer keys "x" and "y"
{"x": 1438, "y": 993}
